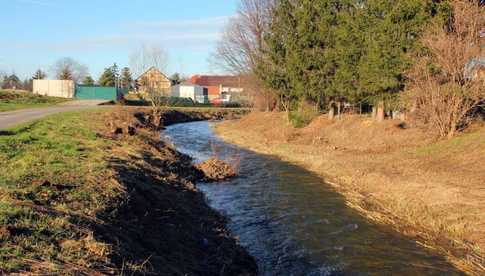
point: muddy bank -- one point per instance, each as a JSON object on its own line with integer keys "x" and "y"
{"x": 163, "y": 225}
{"x": 427, "y": 190}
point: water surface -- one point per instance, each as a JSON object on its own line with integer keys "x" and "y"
{"x": 294, "y": 223}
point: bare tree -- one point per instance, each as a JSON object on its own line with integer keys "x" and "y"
{"x": 443, "y": 94}
{"x": 148, "y": 56}
{"x": 77, "y": 71}
{"x": 142, "y": 60}
{"x": 242, "y": 43}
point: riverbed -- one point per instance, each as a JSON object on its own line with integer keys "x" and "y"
{"x": 294, "y": 223}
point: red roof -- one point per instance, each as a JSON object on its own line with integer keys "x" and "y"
{"x": 227, "y": 81}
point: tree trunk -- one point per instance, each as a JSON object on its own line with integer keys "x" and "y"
{"x": 331, "y": 111}
{"x": 339, "y": 109}
{"x": 380, "y": 113}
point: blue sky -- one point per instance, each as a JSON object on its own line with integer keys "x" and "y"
{"x": 35, "y": 33}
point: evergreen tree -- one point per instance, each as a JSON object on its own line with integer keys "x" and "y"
{"x": 88, "y": 80}
{"x": 116, "y": 74}
{"x": 39, "y": 75}
{"x": 12, "y": 82}
{"x": 126, "y": 78}
{"x": 65, "y": 73}
{"x": 107, "y": 78}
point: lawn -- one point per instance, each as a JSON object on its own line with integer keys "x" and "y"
{"x": 48, "y": 193}
{"x": 13, "y": 100}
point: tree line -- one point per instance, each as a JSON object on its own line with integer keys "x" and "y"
{"x": 311, "y": 56}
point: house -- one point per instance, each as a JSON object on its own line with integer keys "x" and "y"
{"x": 153, "y": 80}
{"x": 219, "y": 88}
{"x": 195, "y": 92}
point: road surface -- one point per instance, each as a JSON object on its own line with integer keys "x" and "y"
{"x": 11, "y": 118}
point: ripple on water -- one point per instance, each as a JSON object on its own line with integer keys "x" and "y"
{"x": 295, "y": 224}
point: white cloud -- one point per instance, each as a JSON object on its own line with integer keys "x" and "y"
{"x": 187, "y": 33}
{"x": 180, "y": 40}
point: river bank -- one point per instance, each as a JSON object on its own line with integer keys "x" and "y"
{"x": 99, "y": 192}
{"x": 430, "y": 191}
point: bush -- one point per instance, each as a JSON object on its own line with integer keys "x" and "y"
{"x": 303, "y": 116}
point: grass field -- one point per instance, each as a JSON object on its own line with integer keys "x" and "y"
{"x": 47, "y": 193}
{"x": 13, "y": 100}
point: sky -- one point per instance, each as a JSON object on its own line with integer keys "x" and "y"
{"x": 97, "y": 33}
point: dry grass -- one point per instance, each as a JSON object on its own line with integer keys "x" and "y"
{"x": 432, "y": 191}
{"x": 76, "y": 199}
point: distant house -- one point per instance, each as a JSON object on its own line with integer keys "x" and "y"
{"x": 219, "y": 88}
{"x": 195, "y": 92}
{"x": 153, "y": 79}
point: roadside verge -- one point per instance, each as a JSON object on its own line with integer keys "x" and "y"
{"x": 77, "y": 198}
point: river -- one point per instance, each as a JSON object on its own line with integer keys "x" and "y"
{"x": 294, "y": 223}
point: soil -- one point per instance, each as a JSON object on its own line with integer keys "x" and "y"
{"x": 427, "y": 189}
{"x": 163, "y": 225}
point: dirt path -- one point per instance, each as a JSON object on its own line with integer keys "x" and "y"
{"x": 11, "y": 118}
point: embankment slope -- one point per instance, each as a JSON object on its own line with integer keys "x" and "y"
{"x": 78, "y": 198}
{"x": 429, "y": 190}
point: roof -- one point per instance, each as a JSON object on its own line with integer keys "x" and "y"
{"x": 152, "y": 68}
{"x": 206, "y": 80}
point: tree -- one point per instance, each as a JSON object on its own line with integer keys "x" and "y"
{"x": 12, "y": 82}
{"x": 108, "y": 78}
{"x": 88, "y": 80}
{"x": 146, "y": 57}
{"x": 68, "y": 68}
{"x": 27, "y": 84}
{"x": 126, "y": 78}
{"x": 116, "y": 74}
{"x": 66, "y": 73}
{"x": 141, "y": 61}
{"x": 176, "y": 79}
{"x": 39, "y": 75}
{"x": 443, "y": 94}
{"x": 242, "y": 44}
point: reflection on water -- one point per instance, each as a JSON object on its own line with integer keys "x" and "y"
{"x": 295, "y": 224}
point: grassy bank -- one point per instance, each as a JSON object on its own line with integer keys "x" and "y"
{"x": 13, "y": 100}
{"x": 431, "y": 191}
{"x": 77, "y": 199}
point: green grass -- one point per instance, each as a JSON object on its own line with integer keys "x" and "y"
{"x": 13, "y": 100}
{"x": 47, "y": 192}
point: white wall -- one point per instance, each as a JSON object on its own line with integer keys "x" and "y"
{"x": 194, "y": 92}
{"x": 54, "y": 88}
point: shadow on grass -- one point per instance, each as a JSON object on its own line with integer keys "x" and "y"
{"x": 164, "y": 225}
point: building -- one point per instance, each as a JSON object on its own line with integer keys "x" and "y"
{"x": 67, "y": 89}
{"x": 153, "y": 79}
{"x": 197, "y": 93}
{"x": 219, "y": 88}
{"x": 54, "y": 88}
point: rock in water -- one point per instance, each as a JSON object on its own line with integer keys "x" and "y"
{"x": 216, "y": 170}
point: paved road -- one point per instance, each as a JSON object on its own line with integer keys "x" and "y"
{"x": 12, "y": 118}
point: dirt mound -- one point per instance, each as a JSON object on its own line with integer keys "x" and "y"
{"x": 351, "y": 132}
{"x": 216, "y": 170}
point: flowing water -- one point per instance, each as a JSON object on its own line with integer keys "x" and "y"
{"x": 294, "y": 223}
